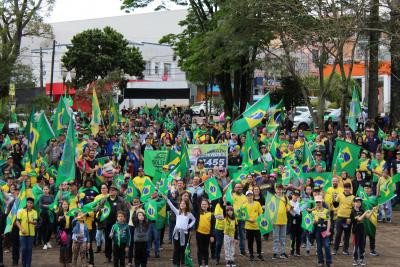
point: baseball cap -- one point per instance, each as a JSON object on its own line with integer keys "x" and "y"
{"x": 249, "y": 192}
{"x": 357, "y": 199}
{"x": 318, "y": 198}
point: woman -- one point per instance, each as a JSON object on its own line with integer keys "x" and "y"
{"x": 64, "y": 224}
{"x": 322, "y": 226}
{"x": 258, "y": 196}
{"x": 46, "y": 214}
{"x": 100, "y": 226}
{"x": 184, "y": 222}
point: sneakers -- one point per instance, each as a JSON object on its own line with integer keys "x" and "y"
{"x": 45, "y": 247}
{"x": 389, "y": 220}
{"x": 374, "y": 253}
{"x": 346, "y": 253}
{"x": 284, "y": 256}
{"x": 355, "y": 263}
{"x": 362, "y": 262}
{"x": 251, "y": 257}
{"x": 260, "y": 257}
{"x": 334, "y": 252}
{"x": 297, "y": 254}
{"x": 233, "y": 264}
{"x": 48, "y": 245}
{"x": 275, "y": 256}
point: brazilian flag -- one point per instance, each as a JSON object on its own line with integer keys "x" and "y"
{"x": 271, "y": 206}
{"x": 19, "y": 203}
{"x": 346, "y": 157}
{"x": 212, "y": 189}
{"x": 323, "y": 179}
{"x": 151, "y": 210}
{"x": 131, "y": 192}
{"x": 307, "y": 159}
{"x": 252, "y": 116}
{"x": 33, "y": 142}
{"x": 276, "y": 117}
{"x": 307, "y": 222}
{"x": 251, "y": 152}
{"x": 188, "y": 256}
{"x": 105, "y": 211}
{"x": 147, "y": 191}
{"x": 386, "y": 192}
{"x": 264, "y": 223}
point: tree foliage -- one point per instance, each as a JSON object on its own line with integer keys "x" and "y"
{"x": 18, "y": 19}
{"x": 95, "y": 53}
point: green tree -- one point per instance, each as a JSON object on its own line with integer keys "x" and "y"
{"x": 23, "y": 18}
{"x": 96, "y": 53}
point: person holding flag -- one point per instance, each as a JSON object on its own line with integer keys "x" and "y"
{"x": 239, "y": 200}
{"x": 120, "y": 235}
{"x": 321, "y": 219}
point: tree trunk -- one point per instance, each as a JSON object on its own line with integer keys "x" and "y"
{"x": 236, "y": 87}
{"x": 395, "y": 64}
{"x": 374, "y": 62}
{"x": 224, "y": 82}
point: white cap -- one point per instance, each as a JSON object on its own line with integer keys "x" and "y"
{"x": 249, "y": 192}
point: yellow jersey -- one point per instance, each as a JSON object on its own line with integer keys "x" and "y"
{"x": 254, "y": 210}
{"x": 238, "y": 202}
{"x": 24, "y": 216}
{"x": 204, "y": 226}
{"x": 219, "y": 223}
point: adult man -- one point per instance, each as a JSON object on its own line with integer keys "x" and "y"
{"x": 116, "y": 204}
{"x": 266, "y": 183}
{"x": 344, "y": 203}
{"x": 53, "y": 153}
{"x": 234, "y": 158}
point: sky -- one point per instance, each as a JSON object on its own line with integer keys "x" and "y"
{"x": 66, "y": 10}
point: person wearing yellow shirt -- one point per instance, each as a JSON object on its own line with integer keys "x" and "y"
{"x": 322, "y": 225}
{"x": 344, "y": 203}
{"x": 280, "y": 225}
{"x": 385, "y": 208}
{"x": 219, "y": 227}
{"x": 332, "y": 191}
{"x": 253, "y": 210}
{"x": 343, "y": 179}
{"x": 238, "y": 202}
{"x": 26, "y": 221}
{"x": 230, "y": 236}
{"x": 205, "y": 223}
{"x": 139, "y": 180}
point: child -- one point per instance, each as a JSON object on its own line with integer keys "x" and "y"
{"x": 254, "y": 210}
{"x": 230, "y": 236}
{"x": 141, "y": 237}
{"x": 80, "y": 240}
{"x": 121, "y": 237}
{"x": 184, "y": 222}
{"x": 205, "y": 223}
{"x": 26, "y": 221}
{"x": 357, "y": 218}
{"x": 322, "y": 226}
{"x": 295, "y": 229}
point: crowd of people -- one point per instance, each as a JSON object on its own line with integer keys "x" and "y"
{"x": 95, "y": 212}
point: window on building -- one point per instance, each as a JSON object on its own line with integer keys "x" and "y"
{"x": 148, "y": 67}
{"x": 157, "y": 68}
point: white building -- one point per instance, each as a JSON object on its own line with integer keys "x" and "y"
{"x": 141, "y": 30}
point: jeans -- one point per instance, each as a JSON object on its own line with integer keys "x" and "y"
{"x": 359, "y": 245}
{"x": 219, "y": 241}
{"x": 26, "y": 247}
{"x": 279, "y": 238}
{"x": 242, "y": 236}
{"x": 99, "y": 237}
{"x": 132, "y": 244}
{"x": 385, "y": 209}
{"x": 154, "y": 235}
{"x": 323, "y": 242}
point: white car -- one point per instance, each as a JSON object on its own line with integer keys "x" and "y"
{"x": 199, "y": 108}
{"x": 302, "y": 120}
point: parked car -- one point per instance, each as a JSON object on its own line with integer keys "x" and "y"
{"x": 302, "y": 120}
{"x": 199, "y": 108}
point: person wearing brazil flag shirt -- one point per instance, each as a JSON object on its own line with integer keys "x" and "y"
{"x": 321, "y": 219}
{"x": 252, "y": 210}
{"x": 378, "y": 166}
{"x": 364, "y": 165}
{"x": 239, "y": 199}
{"x": 280, "y": 225}
{"x": 344, "y": 203}
{"x": 26, "y": 222}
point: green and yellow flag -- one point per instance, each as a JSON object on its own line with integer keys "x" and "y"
{"x": 346, "y": 157}
{"x": 66, "y": 169}
{"x": 19, "y": 203}
{"x": 151, "y": 210}
{"x": 307, "y": 161}
{"x": 276, "y": 117}
{"x": 355, "y": 110}
{"x": 271, "y": 206}
{"x": 265, "y": 224}
{"x": 105, "y": 212}
{"x": 188, "y": 256}
{"x": 252, "y": 116}
{"x": 61, "y": 118}
{"x": 33, "y": 142}
{"x": 147, "y": 191}
{"x": 322, "y": 179}
{"x": 114, "y": 114}
{"x": 212, "y": 189}
{"x": 251, "y": 152}
{"x": 386, "y": 192}
{"x": 45, "y": 131}
{"x": 131, "y": 191}
{"x": 307, "y": 221}
{"x": 96, "y": 114}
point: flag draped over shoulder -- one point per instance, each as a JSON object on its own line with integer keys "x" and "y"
{"x": 66, "y": 169}
{"x": 96, "y": 114}
{"x": 212, "y": 189}
{"x": 252, "y": 116}
{"x": 355, "y": 110}
{"x": 346, "y": 157}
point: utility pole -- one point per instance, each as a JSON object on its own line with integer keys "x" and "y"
{"x": 41, "y": 69}
{"x": 52, "y": 70}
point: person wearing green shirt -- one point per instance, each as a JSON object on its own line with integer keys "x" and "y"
{"x": 318, "y": 161}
